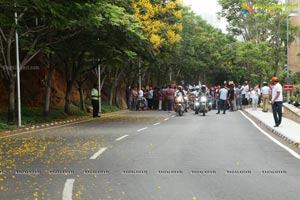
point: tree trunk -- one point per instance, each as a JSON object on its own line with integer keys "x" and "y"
{"x": 111, "y": 94}
{"x": 48, "y": 91}
{"x": 68, "y": 98}
{"x": 11, "y": 101}
{"x": 82, "y": 104}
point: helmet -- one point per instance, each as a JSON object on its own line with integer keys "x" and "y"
{"x": 274, "y": 79}
{"x": 197, "y": 87}
{"x": 179, "y": 87}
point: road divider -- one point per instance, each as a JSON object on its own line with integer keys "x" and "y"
{"x": 68, "y": 189}
{"x": 142, "y": 129}
{"x": 122, "y": 137}
{"x": 93, "y": 157}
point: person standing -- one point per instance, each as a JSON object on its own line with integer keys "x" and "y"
{"x": 238, "y": 93}
{"x": 128, "y": 96}
{"x": 95, "y": 100}
{"x": 245, "y": 90}
{"x": 150, "y": 98}
{"x": 276, "y": 101}
{"x": 134, "y": 95}
{"x": 265, "y": 90}
{"x": 170, "y": 93}
{"x": 222, "y": 99}
{"x": 254, "y": 96}
{"x": 231, "y": 96}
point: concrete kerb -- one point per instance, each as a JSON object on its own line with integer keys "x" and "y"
{"x": 57, "y": 123}
{"x": 290, "y": 141}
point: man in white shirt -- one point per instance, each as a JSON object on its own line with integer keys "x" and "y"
{"x": 245, "y": 90}
{"x": 276, "y": 101}
{"x": 265, "y": 90}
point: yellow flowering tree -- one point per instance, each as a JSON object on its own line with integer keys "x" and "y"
{"x": 161, "y": 20}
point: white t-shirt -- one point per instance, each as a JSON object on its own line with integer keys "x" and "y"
{"x": 245, "y": 89}
{"x": 254, "y": 94}
{"x": 265, "y": 90}
{"x": 277, "y": 88}
{"x": 141, "y": 93}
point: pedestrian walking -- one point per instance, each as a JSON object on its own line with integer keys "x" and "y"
{"x": 265, "y": 92}
{"x": 95, "y": 100}
{"x": 276, "y": 101}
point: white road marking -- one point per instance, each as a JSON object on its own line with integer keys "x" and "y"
{"x": 166, "y": 119}
{"x": 98, "y": 153}
{"x": 142, "y": 129}
{"x": 68, "y": 189}
{"x": 296, "y": 155}
{"x": 156, "y": 124}
{"x": 120, "y": 138}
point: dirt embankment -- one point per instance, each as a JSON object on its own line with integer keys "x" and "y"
{"x": 33, "y": 89}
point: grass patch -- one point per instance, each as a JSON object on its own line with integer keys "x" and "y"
{"x": 106, "y": 108}
{"x": 35, "y": 116}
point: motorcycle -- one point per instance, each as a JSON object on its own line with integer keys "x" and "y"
{"x": 179, "y": 105}
{"x": 141, "y": 103}
{"x": 204, "y": 105}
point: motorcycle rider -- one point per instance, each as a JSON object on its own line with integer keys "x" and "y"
{"x": 197, "y": 90}
{"x": 179, "y": 91}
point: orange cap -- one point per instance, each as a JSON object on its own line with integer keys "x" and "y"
{"x": 274, "y": 79}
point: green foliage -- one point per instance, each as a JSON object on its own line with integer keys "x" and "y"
{"x": 106, "y": 108}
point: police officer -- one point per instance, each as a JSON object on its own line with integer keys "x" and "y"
{"x": 95, "y": 100}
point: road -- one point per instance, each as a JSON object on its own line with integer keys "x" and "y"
{"x": 149, "y": 155}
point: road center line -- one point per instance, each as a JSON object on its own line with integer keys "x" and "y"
{"x": 93, "y": 157}
{"x": 296, "y": 155}
{"x": 166, "y": 119}
{"x": 120, "y": 138}
{"x": 68, "y": 189}
{"x": 142, "y": 129}
{"x": 156, "y": 124}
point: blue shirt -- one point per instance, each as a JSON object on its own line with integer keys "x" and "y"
{"x": 223, "y": 94}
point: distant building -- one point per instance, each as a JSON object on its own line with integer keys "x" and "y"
{"x": 294, "y": 48}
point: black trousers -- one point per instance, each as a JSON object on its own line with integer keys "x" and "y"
{"x": 95, "y": 104}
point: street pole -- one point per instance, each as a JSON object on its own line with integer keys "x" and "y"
{"x": 18, "y": 69}
{"x": 99, "y": 84}
{"x": 140, "y": 77}
{"x": 287, "y": 57}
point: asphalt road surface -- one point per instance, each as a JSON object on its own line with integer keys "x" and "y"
{"x": 149, "y": 155}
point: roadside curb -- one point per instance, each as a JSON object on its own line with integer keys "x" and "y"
{"x": 276, "y": 132}
{"x": 54, "y": 124}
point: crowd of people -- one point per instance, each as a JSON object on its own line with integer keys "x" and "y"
{"x": 223, "y": 97}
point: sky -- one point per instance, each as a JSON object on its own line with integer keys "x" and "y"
{"x": 207, "y": 9}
